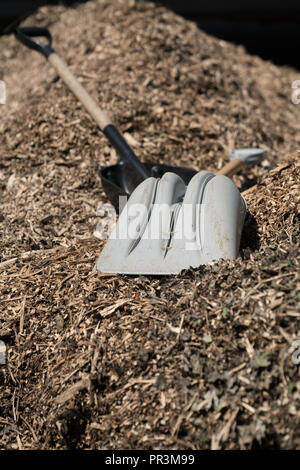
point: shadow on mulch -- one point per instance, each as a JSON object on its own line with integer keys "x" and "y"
{"x": 71, "y": 424}
{"x": 250, "y": 238}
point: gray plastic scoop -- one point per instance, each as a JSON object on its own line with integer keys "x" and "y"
{"x": 166, "y": 226}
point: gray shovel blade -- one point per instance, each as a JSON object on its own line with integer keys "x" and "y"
{"x": 166, "y": 226}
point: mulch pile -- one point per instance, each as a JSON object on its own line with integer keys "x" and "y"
{"x": 202, "y": 360}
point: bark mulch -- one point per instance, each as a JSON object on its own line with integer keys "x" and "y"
{"x": 202, "y": 360}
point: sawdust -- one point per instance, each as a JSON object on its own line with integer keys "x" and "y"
{"x": 196, "y": 361}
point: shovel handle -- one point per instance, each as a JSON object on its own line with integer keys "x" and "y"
{"x": 30, "y": 38}
{"x": 27, "y": 36}
{"x": 101, "y": 118}
{"x": 231, "y": 168}
{"x": 79, "y": 91}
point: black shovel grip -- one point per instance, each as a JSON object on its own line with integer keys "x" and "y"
{"x": 125, "y": 151}
{"x": 26, "y": 35}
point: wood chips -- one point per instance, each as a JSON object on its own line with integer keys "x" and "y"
{"x": 202, "y": 360}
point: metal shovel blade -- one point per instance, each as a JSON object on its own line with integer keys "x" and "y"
{"x": 167, "y": 226}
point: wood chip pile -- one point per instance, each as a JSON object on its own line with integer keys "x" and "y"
{"x": 202, "y": 360}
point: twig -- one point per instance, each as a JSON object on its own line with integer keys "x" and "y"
{"x": 25, "y": 256}
{"x": 180, "y": 328}
{"x": 224, "y": 433}
{"x": 30, "y": 429}
{"x": 22, "y": 312}
{"x": 112, "y": 308}
{"x": 236, "y": 369}
{"x": 264, "y": 281}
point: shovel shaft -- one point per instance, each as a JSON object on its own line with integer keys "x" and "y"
{"x": 79, "y": 91}
{"x": 231, "y": 168}
{"x": 27, "y": 36}
{"x": 101, "y": 118}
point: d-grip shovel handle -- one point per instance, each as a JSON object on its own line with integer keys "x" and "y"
{"x": 26, "y": 35}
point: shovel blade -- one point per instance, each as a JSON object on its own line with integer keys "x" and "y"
{"x": 167, "y": 226}
{"x": 121, "y": 180}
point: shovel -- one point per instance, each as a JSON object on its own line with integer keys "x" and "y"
{"x": 176, "y": 217}
{"x": 122, "y": 178}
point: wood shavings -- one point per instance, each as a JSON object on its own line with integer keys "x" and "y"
{"x": 91, "y": 360}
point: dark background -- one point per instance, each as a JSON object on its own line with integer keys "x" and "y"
{"x": 269, "y": 28}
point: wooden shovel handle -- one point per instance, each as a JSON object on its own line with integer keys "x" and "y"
{"x": 83, "y": 96}
{"x": 231, "y": 167}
